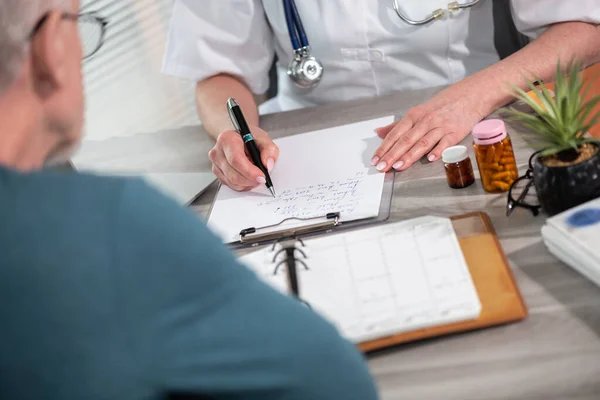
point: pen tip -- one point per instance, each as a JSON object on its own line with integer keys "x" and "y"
{"x": 231, "y": 102}
{"x": 272, "y": 192}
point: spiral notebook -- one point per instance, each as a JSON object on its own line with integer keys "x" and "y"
{"x": 380, "y": 281}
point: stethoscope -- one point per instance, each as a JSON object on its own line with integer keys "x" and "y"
{"x": 306, "y": 71}
{"x": 440, "y": 13}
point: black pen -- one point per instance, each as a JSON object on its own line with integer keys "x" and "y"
{"x": 239, "y": 122}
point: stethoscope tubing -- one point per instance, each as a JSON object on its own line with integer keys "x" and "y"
{"x": 310, "y": 77}
{"x": 295, "y": 26}
{"x": 439, "y": 13}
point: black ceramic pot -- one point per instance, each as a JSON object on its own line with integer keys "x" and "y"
{"x": 561, "y": 188}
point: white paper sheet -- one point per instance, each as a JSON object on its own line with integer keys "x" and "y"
{"x": 183, "y": 187}
{"x": 317, "y": 173}
{"x": 382, "y": 280}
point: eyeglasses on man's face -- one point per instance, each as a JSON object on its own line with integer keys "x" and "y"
{"x": 522, "y": 192}
{"x": 92, "y": 29}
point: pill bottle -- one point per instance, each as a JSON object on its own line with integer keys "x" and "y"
{"x": 495, "y": 156}
{"x": 459, "y": 170}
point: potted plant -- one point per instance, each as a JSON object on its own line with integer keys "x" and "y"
{"x": 566, "y": 171}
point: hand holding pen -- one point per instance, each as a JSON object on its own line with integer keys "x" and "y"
{"x": 232, "y": 163}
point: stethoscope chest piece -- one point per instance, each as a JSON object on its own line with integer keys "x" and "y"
{"x": 305, "y": 70}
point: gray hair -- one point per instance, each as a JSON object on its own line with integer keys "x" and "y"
{"x": 17, "y": 20}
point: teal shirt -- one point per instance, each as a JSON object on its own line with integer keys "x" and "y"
{"x": 110, "y": 291}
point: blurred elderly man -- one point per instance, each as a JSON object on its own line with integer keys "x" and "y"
{"x": 107, "y": 289}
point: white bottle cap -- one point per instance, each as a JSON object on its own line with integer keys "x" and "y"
{"x": 455, "y": 154}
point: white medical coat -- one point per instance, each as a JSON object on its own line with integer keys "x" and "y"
{"x": 365, "y": 48}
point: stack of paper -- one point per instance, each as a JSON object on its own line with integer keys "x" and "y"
{"x": 182, "y": 187}
{"x": 574, "y": 237}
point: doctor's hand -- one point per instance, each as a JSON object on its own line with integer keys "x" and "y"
{"x": 232, "y": 165}
{"x": 427, "y": 129}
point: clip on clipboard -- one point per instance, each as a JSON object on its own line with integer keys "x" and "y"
{"x": 252, "y": 235}
{"x": 256, "y": 236}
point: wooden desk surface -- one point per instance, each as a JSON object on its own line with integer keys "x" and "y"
{"x": 553, "y": 355}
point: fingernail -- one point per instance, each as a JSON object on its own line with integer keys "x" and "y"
{"x": 398, "y": 165}
{"x": 431, "y": 158}
{"x": 381, "y": 166}
{"x": 261, "y": 180}
{"x": 270, "y": 164}
{"x": 374, "y": 161}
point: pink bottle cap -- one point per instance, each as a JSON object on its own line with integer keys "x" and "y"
{"x": 489, "y": 131}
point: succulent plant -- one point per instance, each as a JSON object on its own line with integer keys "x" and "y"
{"x": 559, "y": 122}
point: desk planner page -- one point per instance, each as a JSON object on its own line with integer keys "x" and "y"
{"x": 380, "y": 281}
